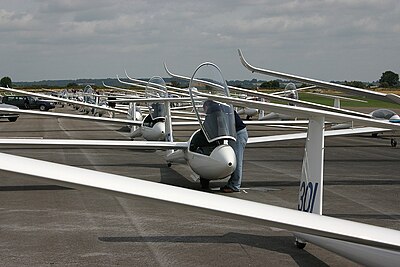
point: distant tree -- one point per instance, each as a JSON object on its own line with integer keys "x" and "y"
{"x": 357, "y": 84}
{"x": 6, "y": 81}
{"x": 70, "y": 85}
{"x": 175, "y": 83}
{"x": 389, "y": 78}
{"x": 270, "y": 84}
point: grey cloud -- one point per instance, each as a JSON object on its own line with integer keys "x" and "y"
{"x": 323, "y": 39}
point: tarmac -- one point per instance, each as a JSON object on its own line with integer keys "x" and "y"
{"x": 44, "y": 224}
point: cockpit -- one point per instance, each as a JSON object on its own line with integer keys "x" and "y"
{"x": 291, "y": 91}
{"x": 386, "y": 114}
{"x": 88, "y": 95}
{"x": 217, "y": 121}
{"x": 155, "y": 88}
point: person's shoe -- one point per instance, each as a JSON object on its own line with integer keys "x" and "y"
{"x": 227, "y": 189}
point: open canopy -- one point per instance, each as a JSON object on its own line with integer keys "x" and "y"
{"x": 88, "y": 95}
{"x": 216, "y": 119}
{"x": 155, "y": 88}
{"x": 291, "y": 91}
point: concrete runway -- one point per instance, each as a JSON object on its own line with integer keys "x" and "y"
{"x": 44, "y": 224}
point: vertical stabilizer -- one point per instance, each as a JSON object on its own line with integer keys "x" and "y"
{"x": 336, "y": 103}
{"x": 311, "y": 184}
{"x": 262, "y": 112}
{"x": 168, "y": 123}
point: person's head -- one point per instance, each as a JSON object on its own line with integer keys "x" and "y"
{"x": 209, "y": 106}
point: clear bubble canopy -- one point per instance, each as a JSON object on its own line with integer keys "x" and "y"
{"x": 156, "y": 88}
{"x": 216, "y": 119}
{"x": 88, "y": 94}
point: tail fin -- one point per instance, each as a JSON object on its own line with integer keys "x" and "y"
{"x": 311, "y": 183}
{"x": 168, "y": 123}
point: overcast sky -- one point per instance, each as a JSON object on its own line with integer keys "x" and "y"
{"x": 327, "y": 40}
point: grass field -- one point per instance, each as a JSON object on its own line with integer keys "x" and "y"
{"x": 328, "y": 101}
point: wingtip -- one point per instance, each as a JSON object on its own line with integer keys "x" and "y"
{"x": 166, "y": 69}
{"x": 243, "y": 60}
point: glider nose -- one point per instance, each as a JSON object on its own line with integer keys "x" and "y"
{"x": 155, "y": 133}
{"x": 395, "y": 118}
{"x": 159, "y": 130}
{"x": 218, "y": 165}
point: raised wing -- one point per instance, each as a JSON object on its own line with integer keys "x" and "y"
{"x": 348, "y": 89}
{"x": 305, "y": 112}
{"x": 348, "y": 232}
{"x": 278, "y": 98}
{"x": 175, "y": 90}
{"x": 123, "y": 89}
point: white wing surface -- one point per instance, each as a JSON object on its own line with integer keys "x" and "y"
{"x": 292, "y": 220}
{"x": 63, "y": 100}
{"x": 68, "y": 143}
{"x": 294, "y": 136}
{"x": 278, "y": 98}
{"x": 155, "y": 99}
{"x": 71, "y": 116}
{"x": 305, "y": 112}
{"x": 352, "y": 90}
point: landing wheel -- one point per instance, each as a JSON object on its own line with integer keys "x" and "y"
{"x": 299, "y": 244}
{"x": 169, "y": 164}
{"x": 393, "y": 142}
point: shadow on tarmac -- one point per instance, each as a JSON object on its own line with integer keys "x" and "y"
{"x": 280, "y": 244}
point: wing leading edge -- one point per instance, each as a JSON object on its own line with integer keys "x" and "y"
{"x": 68, "y": 143}
{"x": 292, "y": 220}
{"x": 352, "y": 90}
{"x": 294, "y": 136}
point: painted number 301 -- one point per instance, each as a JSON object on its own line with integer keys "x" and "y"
{"x": 307, "y": 196}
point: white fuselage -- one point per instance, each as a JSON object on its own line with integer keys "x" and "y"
{"x": 154, "y": 133}
{"x": 249, "y": 112}
{"x": 218, "y": 165}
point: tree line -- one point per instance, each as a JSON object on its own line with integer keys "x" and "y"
{"x": 388, "y": 79}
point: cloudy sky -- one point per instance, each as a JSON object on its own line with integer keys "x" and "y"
{"x": 322, "y": 39}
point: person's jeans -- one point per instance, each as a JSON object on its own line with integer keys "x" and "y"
{"x": 238, "y": 146}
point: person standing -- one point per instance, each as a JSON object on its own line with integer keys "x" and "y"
{"x": 235, "y": 180}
